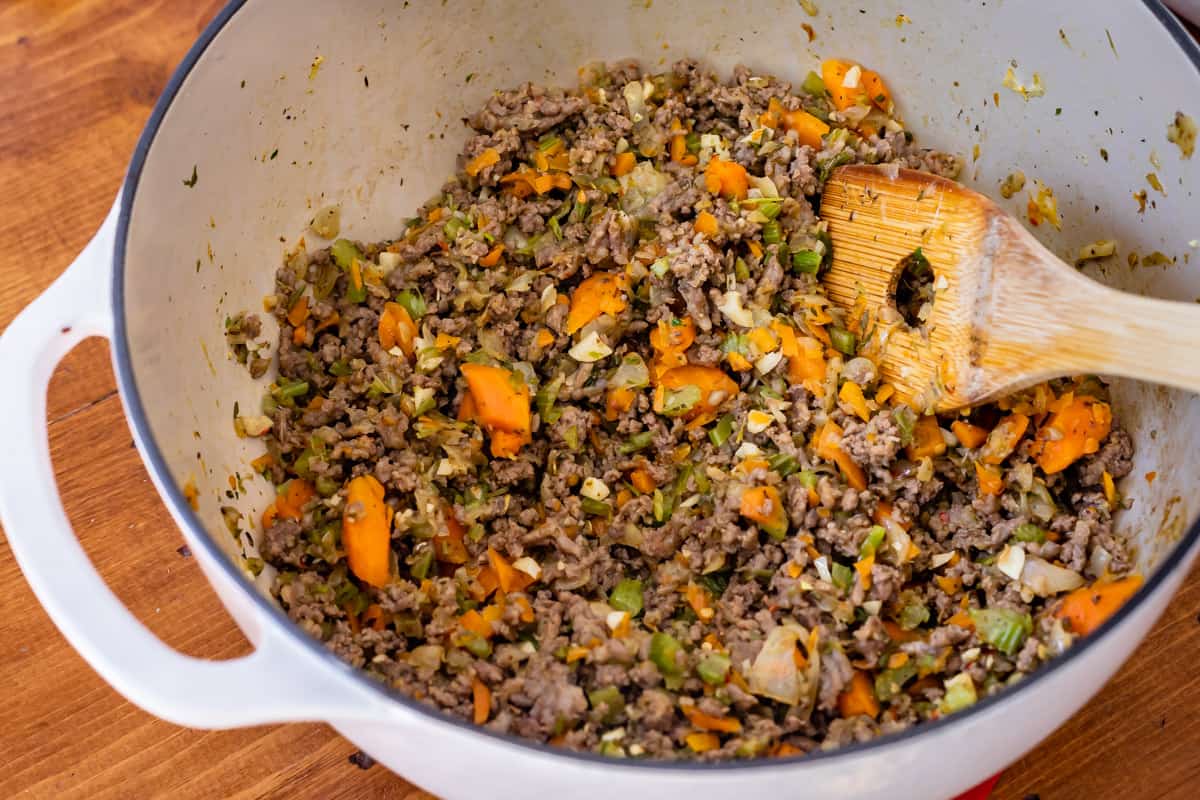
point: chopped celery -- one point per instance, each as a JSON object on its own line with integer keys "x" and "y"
{"x": 636, "y": 442}
{"x": 1002, "y": 628}
{"x": 813, "y": 84}
{"x": 344, "y": 253}
{"x": 627, "y": 596}
{"x": 340, "y": 368}
{"x": 890, "y": 682}
{"x": 413, "y": 302}
{"x": 808, "y": 261}
{"x": 906, "y": 421}
{"x": 595, "y": 508}
{"x": 1028, "y": 532}
{"x": 960, "y": 693}
{"x": 546, "y": 395}
{"x": 664, "y": 652}
{"x": 476, "y": 645}
{"x": 420, "y": 562}
{"x": 782, "y": 463}
{"x": 913, "y": 615}
{"x": 713, "y": 669}
{"x": 808, "y": 479}
{"x": 548, "y": 142}
{"x": 692, "y": 142}
{"x": 724, "y": 429}
{"x": 608, "y": 702}
{"x": 771, "y": 233}
{"x": 677, "y": 402}
{"x": 843, "y": 340}
{"x": 872, "y": 542}
{"x": 843, "y": 576}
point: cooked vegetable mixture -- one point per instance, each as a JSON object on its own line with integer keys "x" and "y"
{"x": 586, "y": 455}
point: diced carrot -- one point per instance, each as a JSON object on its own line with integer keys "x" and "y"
{"x": 1110, "y": 488}
{"x": 989, "y": 477}
{"x": 576, "y": 653}
{"x": 367, "y": 531}
{"x": 885, "y": 513}
{"x": 299, "y": 312}
{"x": 829, "y": 447}
{"x": 544, "y": 338}
{"x": 833, "y": 73}
{"x": 328, "y": 322}
{"x": 927, "y": 439}
{"x": 501, "y": 401}
{"x": 707, "y": 722}
{"x": 706, "y": 223}
{"x": 727, "y": 178}
{"x": 450, "y": 547}
{"x": 809, "y": 129}
{"x": 1073, "y": 430}
{"x": 738, "y": 362}
{"x": 493, "y": 256}
{"x": 482, "y": 161}
{"x": 1088, "y": 607}
{"x": 771, "y": 117}
{"x": 488, "y": 581}
{"x": 783, "y": 750}
{"x": 852, "y": 395}
{"x": 511, "y": 580}
{"x": 526, "y": 607}
{"x": 261, "y": 463}
{"x": 863, "y": 567}
{"x": 898, "y": 634}
{"x": 762, "y": 505}
{"x": 962, "y": 619}
{"x": 623, "y": 497}
{"x": 481, "y": 697}
{"x": 624, "y": 163}
{"x": 968, "y": 435}
{"x": 763, "y": 340}
{"x": 859, "y": 697}
{"x": 466, "y": 408}
{"x": 949, "y": 585}
{"x": 396, "y": 327}
{"x": 474, "y": 622}
{"x": 374, "y": 617}
{"x": 1004, "y": 438}
{"x": 269, "y": 516}
{"x": 296, "y": 494}
{"x": 600, "y": 293}
{"x": 698, "y": 599}
{"x": 702, "y": 742}
{"x": 876, "y": 91}
{"x": 642, "y": 480}
{"x": 619, "y": 401}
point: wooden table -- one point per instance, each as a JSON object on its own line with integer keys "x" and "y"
{"x": 77, "y": 82}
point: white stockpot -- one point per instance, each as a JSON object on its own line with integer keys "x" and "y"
{"x": 376, "y": 128}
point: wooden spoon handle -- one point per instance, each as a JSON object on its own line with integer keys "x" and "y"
{"x": 1049, "y": 320}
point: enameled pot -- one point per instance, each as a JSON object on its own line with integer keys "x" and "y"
{"x": 250, "y": 136}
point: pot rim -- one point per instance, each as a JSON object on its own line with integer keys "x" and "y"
{"x": 172, "y": 494}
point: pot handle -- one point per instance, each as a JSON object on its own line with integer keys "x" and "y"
{"x": 265, "y": 686}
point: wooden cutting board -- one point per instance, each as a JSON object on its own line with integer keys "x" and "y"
{"x": 77, "y": 82}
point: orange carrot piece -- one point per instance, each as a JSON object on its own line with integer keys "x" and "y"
{"x": 619, "y": 401}
{"x": 989, "y": 477}
{"x": 852, "y": 395}
{"x": 374, "y": 617}
{"x": 642, "y": 480}
{"x": 697, "y": 598}
{"x": 482, "y": 161}
{"x": 715, "y": 386}
{"x": 600, "y": 293}
{"x": 809, "y": 129}
{"x": 297, "y": 493}
{"x": 968, "y": 435}
{"x": 833, "y": 73}
{"x": 299, "y": 312}
{"x": 481, "y": 697}
{"x": 451, "y": 547}
{"x": 829, "y": 447}
{"x": 859, "y": 697}
{"x": 1088, "y": 607}
{"x": 396, "y": 327}
{"x": 474, "y": 622}
{"x": 707, "y": 722}
{"x": 1074, "y": 430}
{"x": 706, "y": 223}
{"x": 702, "y": 742}
{"x": 927, "y": 439}
{"x": 762, "y": 505}
{"x": 488, "y": 581}
{"x": 493, "y": 256}
{"x": 1004, "y": 438}
{"x": 501, "y": 401}
{"x": 726, "y": 178}
{"x": 511, "y": 580}
{"x": 624, "y": 163}
{"x": 367, "y": 531}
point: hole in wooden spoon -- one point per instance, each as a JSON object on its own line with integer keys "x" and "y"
{"x": 912, "y": 289}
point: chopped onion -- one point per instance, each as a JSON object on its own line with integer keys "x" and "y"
{"x": 731, "y": 307}
{"x": 774, "y": 673}
{"x": 940, "y": 558}
{"x": 389, "y": 261}
{"x": 590, "y": 348}
{"x": 1047, "y": 580}
{"x": 594, "y": 488}
{"x": 635, "y": 98}
{"x": 254, "y": 426}
{"x": 822, "y": 565}
{"x": 549, "y": 298}
{"x": 852, "y": 77}
{"x": 527, "y": 565}
{"x": 767, "y": 362}
{"x": 1011, "y": 561}
{"x": 747, "y": 450}
{"x": 758, "y": 421}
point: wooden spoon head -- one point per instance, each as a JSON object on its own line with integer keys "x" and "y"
{"x": 878, "y": 216}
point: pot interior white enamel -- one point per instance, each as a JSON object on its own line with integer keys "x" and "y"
{"x": 376, "y": 127}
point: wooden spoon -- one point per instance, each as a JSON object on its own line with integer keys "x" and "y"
{"x": 1006, "y": 312}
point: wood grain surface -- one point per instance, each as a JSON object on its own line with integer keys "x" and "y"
{"x": 77, "y": 81}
